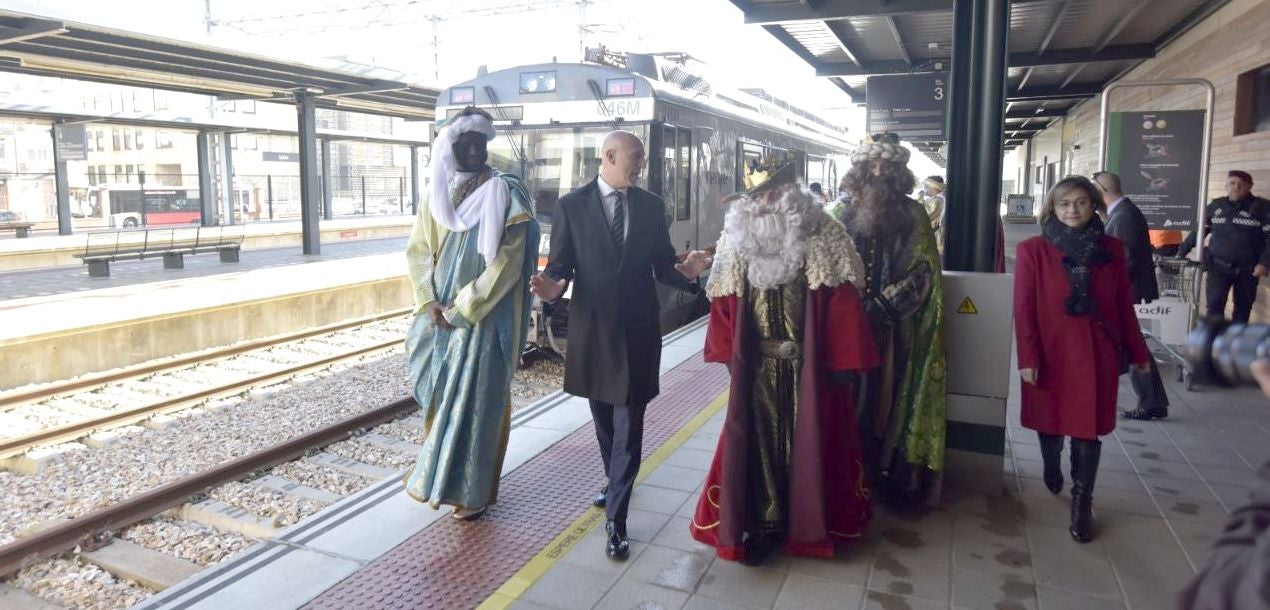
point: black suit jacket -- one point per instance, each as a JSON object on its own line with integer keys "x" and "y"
{"x": 1127, "y": 224}
{"x": 614, "y": 336}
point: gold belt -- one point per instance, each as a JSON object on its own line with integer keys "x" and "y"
{"x": 784, "y": 349}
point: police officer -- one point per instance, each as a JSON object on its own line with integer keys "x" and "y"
{"x": 1237, "y": 254}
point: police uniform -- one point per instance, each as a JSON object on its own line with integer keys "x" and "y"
{"x": 1239, "y": 232}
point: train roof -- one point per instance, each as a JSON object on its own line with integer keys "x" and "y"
{"x": 594, "y": 93}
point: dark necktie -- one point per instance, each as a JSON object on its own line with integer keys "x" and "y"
{"x": 618, "y": 227}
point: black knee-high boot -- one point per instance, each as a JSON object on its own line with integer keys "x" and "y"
{"x": 1052, "y": 453}
{"x": 1085, "y": 455}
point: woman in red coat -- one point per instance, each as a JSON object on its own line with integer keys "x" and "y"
{"x": 1076, "y": 332}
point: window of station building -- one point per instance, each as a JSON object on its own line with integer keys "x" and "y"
{"x": 98, "y": 136}
{"x": 247, "y": 107}
{"x": 101, "y": 174}
{"x": 92, "y": 176}
{"x": 1252, "y": 101}
{"x": 140, "y": 139}
{"x": 129, "y": 171}
{"x": 162, "y": 139}
{"x": 128, "y": 137}
{"x": 118, "y": 175}
{"x": 160, "y": 100}
{"x": 115, "y": 142}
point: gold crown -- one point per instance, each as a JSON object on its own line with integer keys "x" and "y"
{"x": 759, "y": 173}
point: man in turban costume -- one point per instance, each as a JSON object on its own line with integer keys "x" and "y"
{"x": 470, "y": 256}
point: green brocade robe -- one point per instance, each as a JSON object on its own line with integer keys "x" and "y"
{"x": 462, "y": 377}
{"x": 903, "y": 404}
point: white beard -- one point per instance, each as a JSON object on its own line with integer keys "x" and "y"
{"x": 771, "y": 239}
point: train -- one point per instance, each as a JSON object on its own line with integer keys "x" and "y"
{"x": 552, "y": 117}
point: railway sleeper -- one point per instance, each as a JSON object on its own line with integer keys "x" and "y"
{"x": 291, "y": 488}
{"x": 353, "y": 467}
{"x": 147, "y": 567}
{"x": 36, "y": 460}
{"x": 227, "y": 518}
{"x": 392, "y": 444}
{"x": 12, "y": 598}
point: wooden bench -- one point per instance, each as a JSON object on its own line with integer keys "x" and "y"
{"x": 170, "y": 243}
{"x": 21, "y": 229}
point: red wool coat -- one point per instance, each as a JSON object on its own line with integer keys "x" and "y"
{"x": 1076, "y": 357}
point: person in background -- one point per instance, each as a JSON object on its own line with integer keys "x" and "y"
{"x": 472, "y": 250}
{"x": 609, "y": 237}
{"x": 1236, "y": 256}
{"x": 817, "y": 192}
{"x": 932, "y": 198}
{"x": 1074, "y": 323}
{"x": 1126, "y": 223}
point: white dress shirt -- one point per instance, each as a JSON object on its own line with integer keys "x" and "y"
{"x": 610, "y": 205}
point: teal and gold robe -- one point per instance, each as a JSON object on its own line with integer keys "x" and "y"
{"x": 462, "y": 377}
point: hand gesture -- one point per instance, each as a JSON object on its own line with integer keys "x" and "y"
{"x": 695, "y": 264}
{"x": 1260, "y": 271}
{"x": 1141, "y": 368}
{"x": 1028, "y": 375}
{"x": 436, "y": 311}
{"x": 543, "y": 287}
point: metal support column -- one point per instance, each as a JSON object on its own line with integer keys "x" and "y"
{"x": 1027, "y": 169}
{"x": 414, "y": 180}
{"x": 232, "y": 211}
{"x": 206, "y": 190}
{"x": 307, "y": 128}
{"x": 976, "y": 115}
{"x": 328, "y": 206}
{"x": 62, "y": 183}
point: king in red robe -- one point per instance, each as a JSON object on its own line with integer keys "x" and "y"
{"x": 787, "y": 319}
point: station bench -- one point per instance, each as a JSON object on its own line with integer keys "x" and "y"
{"x": 21, "y": 229}
{"x": 170, "y": 243}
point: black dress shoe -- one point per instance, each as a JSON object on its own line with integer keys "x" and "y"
{"x": 617, "y": 547}
{"x": 602, "y": 498}
{"x": 1143, "y": 413}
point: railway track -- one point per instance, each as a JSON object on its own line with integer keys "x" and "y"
{"x": 366, "y": 446}
{"x": 176, "y": 385}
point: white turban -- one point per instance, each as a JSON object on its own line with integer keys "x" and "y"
{"x": 887, "y": 151}
{"x": 487, "y": 205}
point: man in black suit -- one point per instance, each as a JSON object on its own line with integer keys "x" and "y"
{"x": 1126, "y": 223}
{"x": 610, "y": 238}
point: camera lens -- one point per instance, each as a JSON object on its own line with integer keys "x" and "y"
{"x": 1222, "y": 353}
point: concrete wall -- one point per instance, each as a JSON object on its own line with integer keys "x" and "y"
{"x": 1232, "y": 41}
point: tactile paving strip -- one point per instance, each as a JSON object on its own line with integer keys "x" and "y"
{"x": 453, "y": 564}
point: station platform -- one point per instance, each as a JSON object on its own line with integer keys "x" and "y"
{"x": 60, "y": 323}
{"x": 1164, "y": 491}
{"x": 60, "y": 250}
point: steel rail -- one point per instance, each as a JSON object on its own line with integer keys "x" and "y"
{"x": 11, "y": 400}
{"x": 93, "y": 527}
{"x": 17, "y": 445}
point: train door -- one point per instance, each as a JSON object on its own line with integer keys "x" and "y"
{"x": 671, "y": 177}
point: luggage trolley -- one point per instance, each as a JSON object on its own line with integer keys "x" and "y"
{"x": 1168, "y": 320}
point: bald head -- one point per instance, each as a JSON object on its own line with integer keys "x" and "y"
{"x": 622, "y": 159}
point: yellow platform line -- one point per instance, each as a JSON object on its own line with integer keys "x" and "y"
{"x": 536, "y": 567}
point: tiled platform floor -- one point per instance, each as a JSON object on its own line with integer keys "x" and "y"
{"x": 1163, "y": 493}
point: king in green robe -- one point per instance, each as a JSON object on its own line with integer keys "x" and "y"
{"x": 470, "y": 256}
{"x": 903, "y": 403}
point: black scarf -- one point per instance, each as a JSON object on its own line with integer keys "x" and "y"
{"x": 1080, "y": 253}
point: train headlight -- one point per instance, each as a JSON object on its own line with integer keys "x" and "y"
{"x": 538, "y": 82}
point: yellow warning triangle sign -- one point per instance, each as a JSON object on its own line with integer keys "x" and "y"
{"x": 967, "y": 306}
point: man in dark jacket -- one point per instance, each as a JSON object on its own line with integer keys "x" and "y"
{"x": 610, "y": 238}
{"x": 1126, "y": 223}
{"x": 1236, "y": 256}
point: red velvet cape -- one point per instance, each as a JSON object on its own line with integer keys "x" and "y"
{"x": 828, "y": 498}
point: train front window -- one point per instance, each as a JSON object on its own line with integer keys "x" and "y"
{"x": 552, "y": 162}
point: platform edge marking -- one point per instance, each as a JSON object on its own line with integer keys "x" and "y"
{"x": 511, "y": 590}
